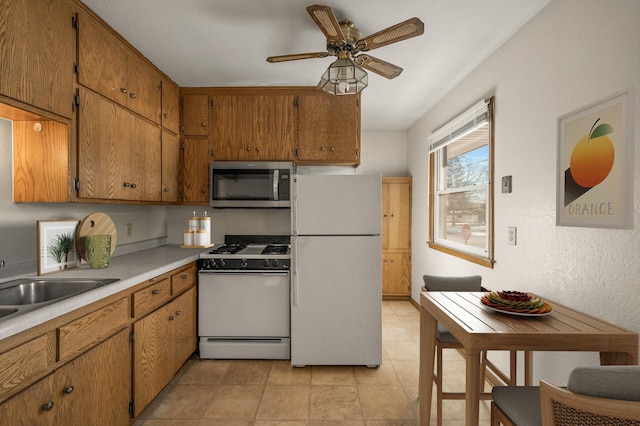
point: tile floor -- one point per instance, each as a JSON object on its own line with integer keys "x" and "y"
{"x": 264, "y": 393}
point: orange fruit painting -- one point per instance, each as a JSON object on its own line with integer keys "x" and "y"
{"x": 592, "y": 157}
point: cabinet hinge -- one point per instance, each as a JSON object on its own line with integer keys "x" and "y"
{"x": 74, "y": 22}
{"x": 357, "y": 102}
{"x": 76, "y": 184}
{"x": 76, "y": 70}
{"x": 295, "y": 101}
{"x": 131, "y": 339}
{"x": 211, "y": 102}
{"x": 182, "y": 146}
{"x": 295, "y": 152}
{"x": 132, "y": 408}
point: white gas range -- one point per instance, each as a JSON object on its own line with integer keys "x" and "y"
{"x": 243, "y": 298}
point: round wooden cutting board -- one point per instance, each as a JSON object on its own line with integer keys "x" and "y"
{"x": 95, "y": 224}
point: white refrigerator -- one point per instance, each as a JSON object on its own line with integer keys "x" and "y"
{"x": 336, "y": 294}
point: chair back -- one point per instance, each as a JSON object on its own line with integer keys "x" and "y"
{"x": 467, "y": 283}
{"x": 561, "y": 407}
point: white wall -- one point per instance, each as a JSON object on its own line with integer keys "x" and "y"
{"x": 569, "y": 55}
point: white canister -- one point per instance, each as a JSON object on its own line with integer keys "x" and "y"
{"x": 205, "y": 225}
{"x": 200, "y": 239}
{"x": 189, "y": 237}
{"x": 194, "y": 222}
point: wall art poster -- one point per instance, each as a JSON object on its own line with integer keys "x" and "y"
{"x": 595, "y": 165}
{"x": 56, "y": 246}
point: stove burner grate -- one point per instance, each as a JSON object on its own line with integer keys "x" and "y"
{"x": 228, "y": 248}
{"x": 276, "y": 249}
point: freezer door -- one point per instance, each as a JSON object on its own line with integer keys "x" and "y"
{"x": 337, "y": 204}
{"x": 336, "y": 310}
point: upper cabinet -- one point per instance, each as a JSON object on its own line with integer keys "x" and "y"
{"x": 108, "y": 66}
{"x": 37, "y": 53}
{"x": 170, "y": 105}
{"x": 328, "y": 129}
{"x": 195, "y": 115}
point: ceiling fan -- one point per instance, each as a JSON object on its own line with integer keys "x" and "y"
{"x": 344, "y": 40}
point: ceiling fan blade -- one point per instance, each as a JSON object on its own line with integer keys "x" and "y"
{"x": 296, "y": 56}
{"x": 326, "y": 20}
{"x": 410, "y": 28}
{"x": 378, "y": 66}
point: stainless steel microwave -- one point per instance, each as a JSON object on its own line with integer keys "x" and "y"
{"x": 244, "y": 184}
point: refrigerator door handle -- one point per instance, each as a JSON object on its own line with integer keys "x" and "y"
{"x": 294, "y": 273}
{"x": 276, "y": 179}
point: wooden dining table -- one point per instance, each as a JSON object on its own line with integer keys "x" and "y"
{"x": 478, "y": 328}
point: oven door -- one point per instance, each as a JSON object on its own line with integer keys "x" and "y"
{"x": 243, "y": 304}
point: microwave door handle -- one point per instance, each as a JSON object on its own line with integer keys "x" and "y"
{"x": 276, "y": 178}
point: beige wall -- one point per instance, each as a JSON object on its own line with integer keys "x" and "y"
{"x": 569, "y": 55}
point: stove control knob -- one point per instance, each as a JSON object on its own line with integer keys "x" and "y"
{"x": 275, "y": 262}
{"x": 211, "y": 264}
{"x": 222, "y": 263}
{"x": 243, "y": 264}
{"x": 266, "y": 262}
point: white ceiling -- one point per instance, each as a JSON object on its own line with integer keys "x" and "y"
{"x": 201, "y": 43}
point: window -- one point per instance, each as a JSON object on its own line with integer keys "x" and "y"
{"x": 460, "y": 186}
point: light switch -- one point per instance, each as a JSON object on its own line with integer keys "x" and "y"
{"x": 506, "y": 184}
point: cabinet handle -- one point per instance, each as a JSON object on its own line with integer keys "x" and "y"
{"x": 322, "y": 148}
{"x": 258, "y": 149}
{"x": 203, "y": 124}
{"x": 166, "y": 190}
{"x": 123, "y": 90}
{"x": 67, "y": 390}
{"x": 155, "y": 291}
{"x": 133, "y": 95}
{"x": 185, "y": 276}
{"x": 248, "y": 149}
{"x": 133, "y": 185}
{"x": 126, "y": 184}
{"x": 384, "y": 215}
{"x": 333, "y": 149}
{"x": 178, "y": 312}
{"x": 48, "y": 406}
{"x": 166, "y": 115}
{"x": 171, "y": 318}
{"x": 204, "y": 191}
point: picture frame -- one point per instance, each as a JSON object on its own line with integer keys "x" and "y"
{"x": 56, "y": 246}
{"x": 595, "y": 165}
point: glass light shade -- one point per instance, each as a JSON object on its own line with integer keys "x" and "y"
{"x": 344, "y": 77}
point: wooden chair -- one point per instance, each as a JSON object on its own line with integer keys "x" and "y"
{"x": 445, "y": 340}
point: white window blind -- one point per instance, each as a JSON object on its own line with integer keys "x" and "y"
{"x": 466, "y": 122}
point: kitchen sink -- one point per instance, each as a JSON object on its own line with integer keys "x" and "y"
{"x": 25, "y": 294}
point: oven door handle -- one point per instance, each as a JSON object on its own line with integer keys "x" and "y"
{"x": 294, "y": 273}
{"x": 276, "y": 180}
{"x": 219, "y": 272}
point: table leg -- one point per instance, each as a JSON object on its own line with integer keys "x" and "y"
{"x": 528, "y": 368}
{"x": 472, "y": 403}
{"x": 428, "y": 332}
{"x": 618, "y": 358}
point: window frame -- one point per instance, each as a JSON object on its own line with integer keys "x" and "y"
{"x": 489, "y": 260}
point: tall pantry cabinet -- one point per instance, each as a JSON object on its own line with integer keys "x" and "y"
{"x": 396, "y": 237}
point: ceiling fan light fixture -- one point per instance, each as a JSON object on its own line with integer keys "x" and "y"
{"x": 344, "y": 77}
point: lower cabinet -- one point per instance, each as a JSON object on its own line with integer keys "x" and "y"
{"x": 396, "y": 274}
{"x": 93, "y": 389}
{"x": 163, "y": 341}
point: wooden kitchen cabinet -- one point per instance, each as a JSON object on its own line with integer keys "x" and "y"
{"x": 170, "y": 104}
{"x": 119, "y": 154}
{"x": 195, "y": 115}
{"x": 163, "y": 341}
{"x": 232, "y": 127}
{"x": 396, "y": 236}
{"x": 328, "y": 129}
{"x": 195, "y": 170}
{"x": 37, "y": 53}
{"x": 274, "y": 127}
{"x": 92, "y": 389}
{"x": 170, "y": 167}
{"x": 108, "y": 66}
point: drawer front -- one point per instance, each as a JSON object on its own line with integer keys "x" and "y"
{"x": 83, "y": 333}
{"x": 183, "y": 280}
{"x": 22, "y": 364}
{"x": 151, "y": 297}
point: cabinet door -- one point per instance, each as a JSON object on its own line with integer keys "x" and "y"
{"x": 184, "y": 309}
{"x": 170, "y": 167}
{"x": 95, "y": 388}
{"x": 399, "y": 216}
{"x": 153, "y": 364}
{"x": 170, "y": 117}
{"x": 396, "y": 274}
{"x": 102, "y": 60}
{"x": 37, "y": 52}
{"x": 145, "y": 168}
{"x": 274, "y": 127}
{"x": 195, "y": 115}
{"x": 143, "y": 88}
{"x": 35, "y": 405}
{"x": 232, "y": 128}
{"x": 329, "y": 129}
{"x": 195, "y": 170}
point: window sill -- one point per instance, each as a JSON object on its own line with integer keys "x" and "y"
{"x": 483, "y": 261}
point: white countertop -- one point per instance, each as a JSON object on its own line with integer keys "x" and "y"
{"x": 131, "y": 269}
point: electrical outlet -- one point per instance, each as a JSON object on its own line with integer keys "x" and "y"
{"x": 2, "y": 263}
{"x": 129, "y": 230}
{"x": 512, "y": 235}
